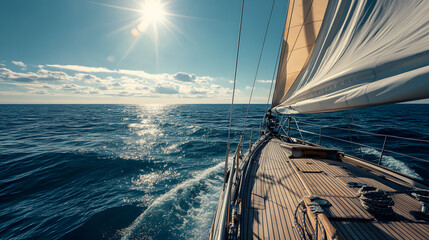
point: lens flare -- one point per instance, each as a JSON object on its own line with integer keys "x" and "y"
{"x": 152, "y": 18}
{"x": 134, "y": 32}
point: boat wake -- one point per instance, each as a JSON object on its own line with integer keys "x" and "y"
{"x": 392, "y": 163}
{"x": 185, "y": 212}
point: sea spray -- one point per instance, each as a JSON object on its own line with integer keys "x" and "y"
{"x": 195, "y": 198}
{"x": 391, "y": 162}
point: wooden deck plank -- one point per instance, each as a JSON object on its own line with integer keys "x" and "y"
{"x": 306, "y": 165}
{"x": 281, "y": 227}
{"x": 324, "y": 185}
{"x": 285, "y": 196}
{"x": 277, "y": 184}
{"x": 266, "y": 180}
{"x": 292, "y": 188}
{"x": 279, "y": 220}
{"x": 286, "y": 226}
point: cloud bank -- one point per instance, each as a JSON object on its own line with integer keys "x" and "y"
{"x": 77, "y": 81}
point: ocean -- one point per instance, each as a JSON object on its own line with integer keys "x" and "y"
{"x": 155, "y": 171}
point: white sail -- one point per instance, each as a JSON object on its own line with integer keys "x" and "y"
{"x": 367, "y": 53}
{"x": 303, "y": 22}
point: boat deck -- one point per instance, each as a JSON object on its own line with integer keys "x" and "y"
{"x": 277, "y": 183}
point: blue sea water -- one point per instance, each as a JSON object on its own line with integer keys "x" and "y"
{"x": 152, "y": 171}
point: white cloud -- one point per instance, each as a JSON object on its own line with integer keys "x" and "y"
{"x": 87, "y": 81}
{"x": 180, "y": 76}
{"x": 19, "y": 64}
{"x": 264, "y": 81}
{"x": 80, "y": 68}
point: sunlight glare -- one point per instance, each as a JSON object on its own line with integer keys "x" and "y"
{"x": 153, "y": 11}
{"x": 152, "y": 19}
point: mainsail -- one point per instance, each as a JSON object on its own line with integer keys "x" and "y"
{"x": 363, "y": 53}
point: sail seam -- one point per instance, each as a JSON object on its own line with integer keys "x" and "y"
{"x": 306, "y": 24}
{"x": 299, "y": 33}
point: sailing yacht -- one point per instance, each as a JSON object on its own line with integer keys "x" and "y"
{"x": 336, "y": 55}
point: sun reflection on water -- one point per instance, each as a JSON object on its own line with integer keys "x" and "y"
{"x": 147, "y": 131}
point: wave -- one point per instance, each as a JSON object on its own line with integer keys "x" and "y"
{"x": 392, "y": 163}
{"x": 183, "y": 212}
{"x": 77, "y": 165}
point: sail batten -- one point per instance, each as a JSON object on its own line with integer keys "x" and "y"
{"x": 367, "y": 53}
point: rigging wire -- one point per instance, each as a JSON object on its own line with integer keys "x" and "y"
{"x": 233, "y": 91}
{"x": 272, "y": 80}
{"x": 274, "y": 73}
{"x": 365, "y": 132}
{"x": 257, "y": 68}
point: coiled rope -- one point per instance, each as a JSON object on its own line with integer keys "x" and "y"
{"x": 302, "y": 229}
{"x": 376, "y": 201}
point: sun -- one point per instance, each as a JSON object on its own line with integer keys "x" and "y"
{"x": 153, "y": 11}
{"x": 151, "y": 18}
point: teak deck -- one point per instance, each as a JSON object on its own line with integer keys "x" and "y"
{"x": 277, "y": 183}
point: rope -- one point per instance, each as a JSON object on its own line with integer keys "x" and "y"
{"x": 302, "y": 229}
{"x": 233, "y": 91}
{"x": 298, "y": 227}
{"x": 376, "y": 201}
{"x": 316, "y": 227}
{"x": 323, "y": 231}
{"x": 257, "y": 68}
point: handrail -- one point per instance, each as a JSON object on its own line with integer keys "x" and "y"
{"x": 369, "y": 133}
{"x": 361, "y": 144}
{"x": 226, "y": 204}
{"x": 220, "y": 228}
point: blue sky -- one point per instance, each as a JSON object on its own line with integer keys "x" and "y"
{"x": 79, "y": 51}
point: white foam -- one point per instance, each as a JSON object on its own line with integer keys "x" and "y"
{"x": 173, "y": 148}
{"x": 392, "y": 163}
{"x": 196, "y": 223}
{"x": 147, "y": 181}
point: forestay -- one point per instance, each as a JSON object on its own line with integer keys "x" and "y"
{"x": 367, "y": 53}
